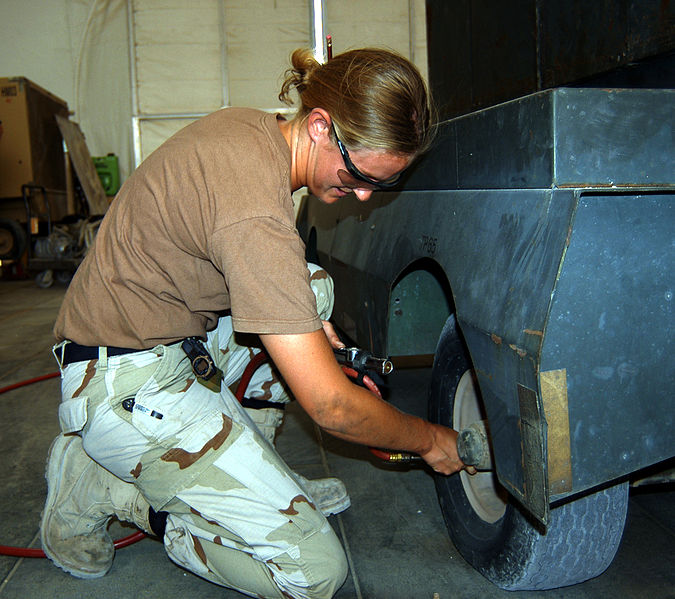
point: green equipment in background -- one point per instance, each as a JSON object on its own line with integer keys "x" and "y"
{"x": 108, "y": 171}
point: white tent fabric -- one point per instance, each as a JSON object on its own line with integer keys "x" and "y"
{"x": 183, "y": 59}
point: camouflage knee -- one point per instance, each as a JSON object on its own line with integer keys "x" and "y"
{"x": 322, "y": 286}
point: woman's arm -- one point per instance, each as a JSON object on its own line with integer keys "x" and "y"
{"x": 350, "y": 412}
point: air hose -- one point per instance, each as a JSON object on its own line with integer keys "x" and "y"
{"x": 255, "y": 363}
{"x": 37, "y": 379}
{"x": 26, "y": 552}
{"x": 387, "y": 456}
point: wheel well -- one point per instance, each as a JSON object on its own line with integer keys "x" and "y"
{"x": 420, "y": 302}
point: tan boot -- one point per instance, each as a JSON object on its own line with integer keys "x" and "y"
{"x": 82, "y": 497}
{"x": 267, "y": 420}
{"x": 328, "y": 494}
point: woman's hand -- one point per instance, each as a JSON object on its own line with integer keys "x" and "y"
{"x": 443, "y": 456}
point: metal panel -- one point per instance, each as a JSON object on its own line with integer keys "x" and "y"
{"x": 504, "y": 371}
{"x": 614, "y": 137}
{"x": 436, "y": 169}
{"x": 509, "y": 146}
{"x": 572, "y": 137}
{"x": 611, "y": 328}
{"x": 532, "y": 434}
{"x": 501, "y": 251}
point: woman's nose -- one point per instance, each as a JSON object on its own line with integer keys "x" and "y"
{"x": 363, "y": 195}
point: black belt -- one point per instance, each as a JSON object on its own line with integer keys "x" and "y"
{"x": 74, "y": 352}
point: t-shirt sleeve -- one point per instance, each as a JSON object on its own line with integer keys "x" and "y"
{"x": 266, "y": 274}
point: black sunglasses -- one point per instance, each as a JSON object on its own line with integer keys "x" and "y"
{"x": 354, "y": 178}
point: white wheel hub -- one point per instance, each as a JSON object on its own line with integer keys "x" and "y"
{"x": 485, "y": 494}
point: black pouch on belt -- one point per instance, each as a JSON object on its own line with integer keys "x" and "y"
{"x": 205, "y": 369}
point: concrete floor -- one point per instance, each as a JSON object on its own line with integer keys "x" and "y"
{"x": 393, "y": 533}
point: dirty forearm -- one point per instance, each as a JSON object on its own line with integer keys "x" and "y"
{"x": 360, "y": 417}
{"x": 350, "y": 412}
{"x": 336, "y": 404}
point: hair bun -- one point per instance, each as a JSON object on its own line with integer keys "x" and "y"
{"x": 303, "y": 64}
{"x": 376, "y": 98}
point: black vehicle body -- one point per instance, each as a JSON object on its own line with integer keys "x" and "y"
{"x": 543, "y": 229}
{"x": 553, "y": 244}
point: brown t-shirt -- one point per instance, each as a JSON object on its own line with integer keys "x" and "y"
{"x": 204, "y": 225}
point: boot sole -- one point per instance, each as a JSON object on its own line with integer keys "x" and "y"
{"x": 54, "y": 472}
{"x": 335, "y": 508}
{"x": 338, "y": 503}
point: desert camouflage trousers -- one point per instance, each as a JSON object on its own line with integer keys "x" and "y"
{"x": 237, "y": 517}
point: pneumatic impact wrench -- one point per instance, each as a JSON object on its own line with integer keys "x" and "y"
{"x": 473, "y": 442}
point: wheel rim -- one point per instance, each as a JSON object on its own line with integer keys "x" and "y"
{"x": 486, "y": 496}
{"x": 6, "y": 242}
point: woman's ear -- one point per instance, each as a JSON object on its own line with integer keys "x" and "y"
{"x": 318, "y": 125}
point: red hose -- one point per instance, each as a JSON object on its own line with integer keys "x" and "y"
{"x": 387, "y": 456}
{"x": 37, "y": 379}
{"x": 256, "y": 362}
{"x": 25, "y": 551}
{"x": 20, "y": 551}
{"x": 367, "y": 381}
{"x": 378, "y": 453}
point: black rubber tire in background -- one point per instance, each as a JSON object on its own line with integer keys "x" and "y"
{"x": 14, "y": 239}
{"x": 514, "y": 552}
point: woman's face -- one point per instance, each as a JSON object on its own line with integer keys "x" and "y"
{"x": 329, "y": 178}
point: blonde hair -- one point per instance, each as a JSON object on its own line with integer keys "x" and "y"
{"x": 377, "y": 99}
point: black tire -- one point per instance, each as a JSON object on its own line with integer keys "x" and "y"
{"x": 12, "y": 239}
{"x": 491, "y": 531}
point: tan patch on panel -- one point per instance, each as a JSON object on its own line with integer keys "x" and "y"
{"x": 554, "y": 400}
